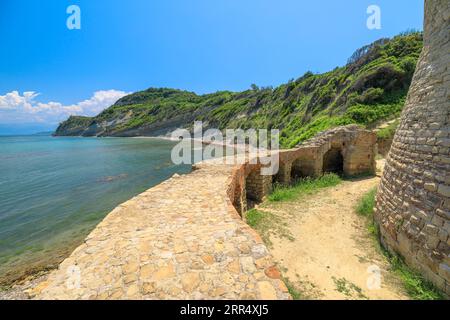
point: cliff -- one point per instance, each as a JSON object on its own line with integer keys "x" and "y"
{"x": 370, "y": 88}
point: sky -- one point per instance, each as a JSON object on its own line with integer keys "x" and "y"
{"x": 48, "y": 71}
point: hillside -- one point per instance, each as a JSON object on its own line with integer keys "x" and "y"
{"x": 372, "y": 87}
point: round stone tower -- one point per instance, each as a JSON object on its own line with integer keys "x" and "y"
{"x": 413, "y": 201}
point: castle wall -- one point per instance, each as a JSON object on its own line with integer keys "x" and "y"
{"x": 413, "y": 202}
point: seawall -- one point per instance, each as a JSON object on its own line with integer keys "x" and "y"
{"x": 186, "y": 238}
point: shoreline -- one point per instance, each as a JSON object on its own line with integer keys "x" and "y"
{"x": 31, "y": 270}
{"x": 20, "y": 268}
{"x": 168, "y": 138}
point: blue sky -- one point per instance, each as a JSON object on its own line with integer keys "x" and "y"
{"x": 48, "y": 71}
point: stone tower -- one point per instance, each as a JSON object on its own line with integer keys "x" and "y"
{"x": 413, "y": 202}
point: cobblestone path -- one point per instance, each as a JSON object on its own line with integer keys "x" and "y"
{"x": 178, "y": 240}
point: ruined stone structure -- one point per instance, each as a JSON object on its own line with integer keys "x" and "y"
{"x": 413, "y": 202}
{"x": 347, "y": 150}
{"x": 186, "y": 237}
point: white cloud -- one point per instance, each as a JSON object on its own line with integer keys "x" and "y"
{"x": 14, "y": 100}
{"x": 17, "y": 108}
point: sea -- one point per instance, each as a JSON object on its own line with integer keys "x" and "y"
{"x": 55, "y": 190}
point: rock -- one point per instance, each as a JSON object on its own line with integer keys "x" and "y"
{"x": 266, "y": 291}
{"x": 259, "y": 251}
{"x": 244, "y": 248}
{"x": 273, "y": 272}
{"x": 247, "y": 296}
{"x": 37, "y": 290}
{"x": 148, "y": 288}
{"x": 164, "y": 273}
{"x": 208, "y": 259}
{"x": 132, "y": 291}
{"x": 234, "y": 267}
{"x": 197, "y": 265}
{"x": 263, "y": 263}
{"x": 130, "y": 267}
{"x": 247, "y": 264}
{"x": 220, "y": 291}
{"x": 190, "y": 281}
{"x": 147, "y": 271}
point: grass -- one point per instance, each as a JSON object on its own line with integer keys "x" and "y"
{"x": 389, "y": 131}
{"x": 367, "y": 203}
{"x": 295, "y": 294}
{"x": 267, "y": 223}
{"x": 303, "y": 187}
{"x": 254, "y": 217}
{"x": 415, "y": 285}
{"x": 348, "y": 288}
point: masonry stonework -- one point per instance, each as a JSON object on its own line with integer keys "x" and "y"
{"x": 186, "y": 238}
{"x": 349, "y": 149}
{"x": 413, "y": 202}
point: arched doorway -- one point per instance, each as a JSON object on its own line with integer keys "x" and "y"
{"x": 333, "y": 161}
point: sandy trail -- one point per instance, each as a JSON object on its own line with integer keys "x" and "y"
{"x": 333, "y": 254}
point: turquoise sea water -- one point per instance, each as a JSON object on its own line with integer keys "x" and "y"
{"x": 54, "y": 190}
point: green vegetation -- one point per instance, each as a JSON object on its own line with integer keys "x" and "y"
{"x": 348, "y": 288}
{"x": 267, "y": 223}
{"x": 371, "y": 88}
{"x": 389, "y": 131}
{"x": 367, "y": 203}
{"x": 303, "y": 187}
{"x": 76, "y": 124}
{"x": 254, "y": 218}
{"x": 293, "y": 291}
{"x": 416, "y": 286}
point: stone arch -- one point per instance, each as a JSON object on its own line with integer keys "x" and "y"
{"x": 333, "y": 161}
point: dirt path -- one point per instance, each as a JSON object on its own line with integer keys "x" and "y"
{"x": 331, "y": 254}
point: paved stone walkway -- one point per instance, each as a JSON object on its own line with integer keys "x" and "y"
{"x": 178, "y": 240}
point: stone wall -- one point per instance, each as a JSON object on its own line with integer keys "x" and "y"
{"x": 356, "y": 146}
{"x": 258, "y": 185}
{"x": 349, "y": 150}
{"x": 384, "y": 145}
{"x": 413, "y": 202}
{"x": 186, "y": 237}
